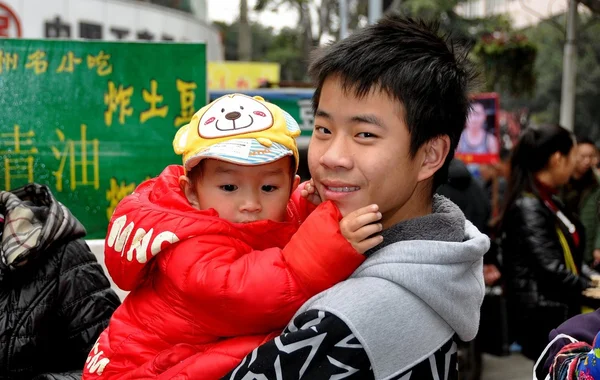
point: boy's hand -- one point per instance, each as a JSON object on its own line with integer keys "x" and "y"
{"x": 359, "y": 226}
{"x": 310, "y": 193}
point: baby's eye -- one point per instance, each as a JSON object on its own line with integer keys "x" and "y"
{"x": 229, "y": 188}
{"x": 269, "y": 188}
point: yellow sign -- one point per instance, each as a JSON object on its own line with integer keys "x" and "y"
{"x": 241, "y": 75}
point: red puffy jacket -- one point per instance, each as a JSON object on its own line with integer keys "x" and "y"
{"x": 215, "y": 287}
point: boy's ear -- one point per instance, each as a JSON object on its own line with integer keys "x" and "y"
{"x": 295, "y": 183}
{"x": 435, "y": 153}
{"x": 186, "y": 186}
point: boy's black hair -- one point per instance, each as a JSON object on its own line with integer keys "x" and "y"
{"x": 413, "y": 64}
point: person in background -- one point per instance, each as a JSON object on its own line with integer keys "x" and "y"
{"x": 470, "y": 196}
{"x": 55, "y": 298}
{"x": 466, "y": 192}
{"x": 583, "y": 328}
{"x": 581, "y": 196}
{"x": 476, "y": 138}
{"x": 542, "y": 243}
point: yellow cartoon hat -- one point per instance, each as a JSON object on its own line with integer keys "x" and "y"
{"x": 239, "y": 129}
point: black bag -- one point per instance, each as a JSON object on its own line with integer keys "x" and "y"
{"x": 493, "y": 327}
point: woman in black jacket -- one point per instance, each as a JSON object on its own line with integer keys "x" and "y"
{"x": 542, "y": 243}
{"x": 54, "y": 297}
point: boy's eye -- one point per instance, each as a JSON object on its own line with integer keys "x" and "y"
{"x": 229, "y": 188}
{"x": 322, "y": 130}
{"x": 365, "y": 135}
{"x": 269, "y": 188}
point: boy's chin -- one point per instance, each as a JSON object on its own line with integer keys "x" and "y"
{"x": 346, "y": 207}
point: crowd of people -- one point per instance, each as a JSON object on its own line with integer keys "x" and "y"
{"x": 374, "y": 268}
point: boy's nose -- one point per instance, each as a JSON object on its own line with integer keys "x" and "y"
{"x": 233, "y": 115}
{"x": 336, "y": 156}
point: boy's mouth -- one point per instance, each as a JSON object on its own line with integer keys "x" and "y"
{"x": 343, "y": 189}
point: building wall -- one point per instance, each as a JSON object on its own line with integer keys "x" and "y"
{"x": 523, "y": 13}
{"x": 110, "y": 20}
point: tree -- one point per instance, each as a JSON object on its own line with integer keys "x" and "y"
{"x": 285, "y": 49}
{"x": 544, "y": 105}
{"x": 244, "y": 33}
{"x": 262, "y": 38}
{"x": 311, "y": 29}
{"x": 505, "y": 59}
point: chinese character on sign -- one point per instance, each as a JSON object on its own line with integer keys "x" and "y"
{"x": 79, "y": 161}
{"x": 152, "y": 98}
{"x": 242, "y": 83}
{"x": 101, "y": 62}
{"x": 145, "y": 36}
{"x": 306, "y": 114}
{"x": 116, "y": 193}
{"x": 68, "y": 62}
{"x": 119, "y": 33}
{"x": 37, "y": 62}
{"x": 187, "y": 98}
{"x": 57, "y": 29}
{"x": 8, "y": 61}
{"x": 18, "y": 150}
{"x": 90, "y": 31}
{"x": 117, "y": 97}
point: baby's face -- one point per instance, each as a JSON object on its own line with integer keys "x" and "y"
{"x": 242, "y": 194}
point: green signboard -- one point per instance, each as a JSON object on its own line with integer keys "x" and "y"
{"x": 94, "y": 119}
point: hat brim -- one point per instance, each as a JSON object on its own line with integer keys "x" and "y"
{"x": 246, "y": 152}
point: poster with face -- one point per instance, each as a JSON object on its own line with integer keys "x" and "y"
{"x": 479, "y": 141}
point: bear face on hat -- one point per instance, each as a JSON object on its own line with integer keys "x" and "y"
{"x": 234, "y": 115}
{"x": 239, "y": 129}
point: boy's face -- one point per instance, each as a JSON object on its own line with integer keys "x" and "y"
{"x": 359, "y": 155}
{"x": 242, "y": 194}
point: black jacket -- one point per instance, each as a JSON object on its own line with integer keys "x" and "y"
{"x": 54, "y": 296}
{"x": 468, "y": 195}
{"x": 542, "y": 292}
{"x": 324, "y": 347}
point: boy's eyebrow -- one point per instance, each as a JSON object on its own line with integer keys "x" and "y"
{"x": 321, "y": 113}
{"x": 368, "y": 119}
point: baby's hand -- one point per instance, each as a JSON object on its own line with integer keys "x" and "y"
{"x": 310, "y": 193}
{"x": 359, "y": 226}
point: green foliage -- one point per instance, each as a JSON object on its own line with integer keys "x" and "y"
{"x": 544, "y": 104}
{"x": 262, "y": 40}
{"x": 507, "y": 62}
{"x": 285, "y": 50}
{"x": 267, "y": 46}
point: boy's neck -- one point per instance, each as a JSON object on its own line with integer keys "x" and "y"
{"x": 419, "y": 204}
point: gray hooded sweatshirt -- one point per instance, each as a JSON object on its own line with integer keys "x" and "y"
{"x": 413, "y": 294}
